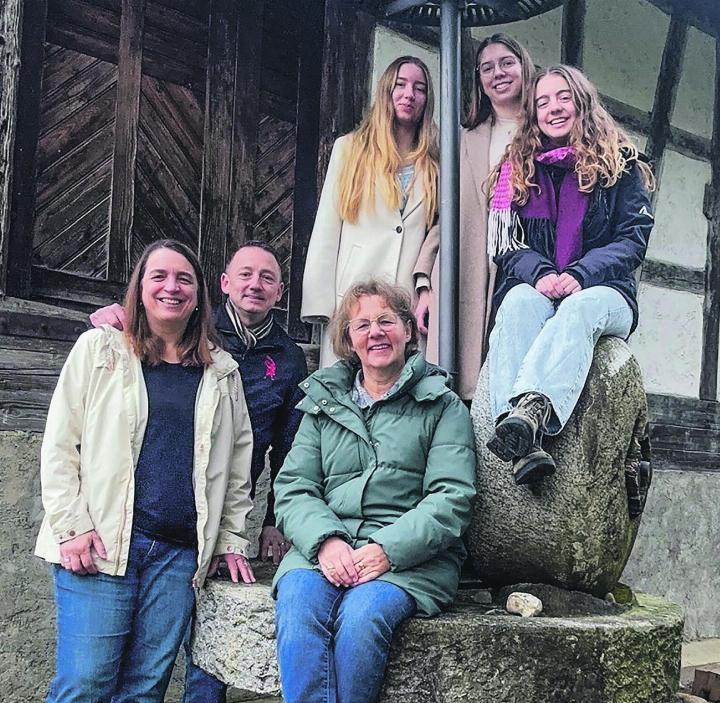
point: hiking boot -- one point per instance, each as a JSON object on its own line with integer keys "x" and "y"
{"x": 533, "y": 467}
{"x": 516, "y": 435}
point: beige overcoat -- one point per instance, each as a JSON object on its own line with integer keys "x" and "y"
{"x": 477, "y": 272}
{"x": 382, "y": 243}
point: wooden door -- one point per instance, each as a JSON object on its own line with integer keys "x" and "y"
{"x": 165, "y": 118}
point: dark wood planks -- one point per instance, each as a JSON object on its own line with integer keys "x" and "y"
{"x": 19, "y": 251}
{"x": 217, "y": 156}
{"x": 684, "y": 433}
{"x": 344, "y": 95}
{"x": 711, "y": 306}
{"x": 305, "y": 194}
{"x": 665, "y": 275}
{"x": 127, "y": 116}
{"x": 10, "y": 52}
{"x": 252, "y": 47}
{"x": 573, "y": 32}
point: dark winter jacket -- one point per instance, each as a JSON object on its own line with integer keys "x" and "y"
{"x": 616, "y": 230}
{"x": 402, "y": 476}
{"x": 270, "y": 372}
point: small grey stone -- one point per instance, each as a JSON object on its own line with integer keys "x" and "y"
{"x": 523, "y": 604}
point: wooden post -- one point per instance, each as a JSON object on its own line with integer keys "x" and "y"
{"x": 217, "y": 156}
{"x": 10, "y": 34}
{"x": 573, "y": 32}
{"x": 345, "y": 77}
{"x": 22, "y": 202}
{"x": 245, "y": 134}
{"x": 305, "y": 194}
{"x": 711, "y": 305}
{"x": 665, "y": 92}
{"x": 127, "y": 119}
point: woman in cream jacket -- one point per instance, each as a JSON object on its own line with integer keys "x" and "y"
{"x": 379, "y": 198}
{"x": 503, "y": 71}
{"x": 145, "y": 471}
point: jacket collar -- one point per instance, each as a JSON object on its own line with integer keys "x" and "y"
{"x": 420, "y": 379}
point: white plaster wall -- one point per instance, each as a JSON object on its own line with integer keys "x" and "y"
{"x": 389, "y": 45}
{"x": 668, "y": 340}
{"x": 680, "y": 233}
{"x": 694, "y": 102}
{"x": 540, "y": 35}
{"x": 624, "y": 40}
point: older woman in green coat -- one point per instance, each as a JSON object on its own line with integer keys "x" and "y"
{"x": 374, "y": 495}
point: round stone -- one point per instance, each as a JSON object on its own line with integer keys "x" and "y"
{"x": 572, "y": 529}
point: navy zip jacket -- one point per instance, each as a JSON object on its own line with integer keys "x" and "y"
{"x": 615, "y": 236}
{"x": 271, "y": 373}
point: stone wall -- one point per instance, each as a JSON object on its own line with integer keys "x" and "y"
{"x": 676, "y": 550}
{"x": 27, "y": 614}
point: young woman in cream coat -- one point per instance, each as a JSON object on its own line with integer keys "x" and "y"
{"x": 379, "y": 198}
{"x": 503, "y": 71}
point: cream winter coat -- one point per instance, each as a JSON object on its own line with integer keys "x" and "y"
{"x": 94, "y": 432}
{"x": 383, "y": 243}
{"x": 476, "y": 271}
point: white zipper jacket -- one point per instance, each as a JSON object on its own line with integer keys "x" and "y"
{"x": 94, "y": 432}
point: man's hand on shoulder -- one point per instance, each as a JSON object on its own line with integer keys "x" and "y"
{"x": 113, "y": 315}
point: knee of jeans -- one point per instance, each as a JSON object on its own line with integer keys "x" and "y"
{"x": 583, "y": 309}
{"x": 382, "y": 606}
{"x": 524, "y": 299}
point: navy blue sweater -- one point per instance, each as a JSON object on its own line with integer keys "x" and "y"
{"x": 271, "y": 372}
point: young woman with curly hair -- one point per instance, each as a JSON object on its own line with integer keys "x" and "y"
{"x": 569, "y": 224}
{"x": 379, "y": 198}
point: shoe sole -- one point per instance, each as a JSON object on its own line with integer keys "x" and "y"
{"x": 513, "y": 438}
{"x": 534, "y": 469}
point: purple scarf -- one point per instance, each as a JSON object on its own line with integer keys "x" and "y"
{"x": 566, "y": 212}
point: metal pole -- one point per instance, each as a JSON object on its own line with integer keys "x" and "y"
{"x": 449, "y": 181}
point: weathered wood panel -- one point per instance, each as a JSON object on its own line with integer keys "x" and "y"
{"x": 661, "y": 273}
{"x": 10, "y": 35}
{"x": 127, "y": 116}
{"x": 24, "y": 158}
{"x": 74, "y": 154}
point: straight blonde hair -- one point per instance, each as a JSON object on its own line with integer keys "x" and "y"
{"x": 373, "y": 159}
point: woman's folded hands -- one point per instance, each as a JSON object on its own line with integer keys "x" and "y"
{"x": 344, "y": 566}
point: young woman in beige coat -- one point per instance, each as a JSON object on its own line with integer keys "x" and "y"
{"x": 503, "y": 70}
{"x": 379, "y": 198}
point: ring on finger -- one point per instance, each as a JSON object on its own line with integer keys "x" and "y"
{"x": 67, "y": 560}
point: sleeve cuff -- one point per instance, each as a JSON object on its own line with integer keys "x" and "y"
{"x": 84, "y": 524}
{"x": 228, "y": 543}
{"x": 422, "y": 281}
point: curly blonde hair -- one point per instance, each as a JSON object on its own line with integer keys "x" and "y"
{"x": 373, "y": 158}
{"x": 604, "y": 150}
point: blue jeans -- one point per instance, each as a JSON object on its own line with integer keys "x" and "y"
{"x": 200, "y": 686}
{"x": 538, "y": 345}
{"x": 333, "y": 643}
{"x": 117, "y": 636}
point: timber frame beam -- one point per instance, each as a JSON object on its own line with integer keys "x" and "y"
{"x": 11, "y": 17}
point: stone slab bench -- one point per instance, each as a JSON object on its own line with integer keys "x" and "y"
{"x": 474, "y": 652}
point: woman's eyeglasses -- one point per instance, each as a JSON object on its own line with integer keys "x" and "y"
{"x": 361, "y": 325}
{"x": 505, "y": 64}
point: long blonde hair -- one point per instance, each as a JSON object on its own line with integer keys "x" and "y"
{"x": 604, "y": 150}
{"x": 373, "y": 159}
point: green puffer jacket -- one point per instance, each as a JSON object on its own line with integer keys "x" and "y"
{"x": 402, "y": 477}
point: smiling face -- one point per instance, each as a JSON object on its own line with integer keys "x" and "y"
{"x": 556, "y": 112}
{"x": 253, "y": 282}
{"x": 381, "y": 347}
{"x": 169, "y": 289}
{"x": 500, "y": 74}
{"x": 409, "y": 94}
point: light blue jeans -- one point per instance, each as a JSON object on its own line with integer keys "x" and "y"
{"x": 333, "y": 643}
{"x": 117, "y": 636}
{"x": 538, "y": 345}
